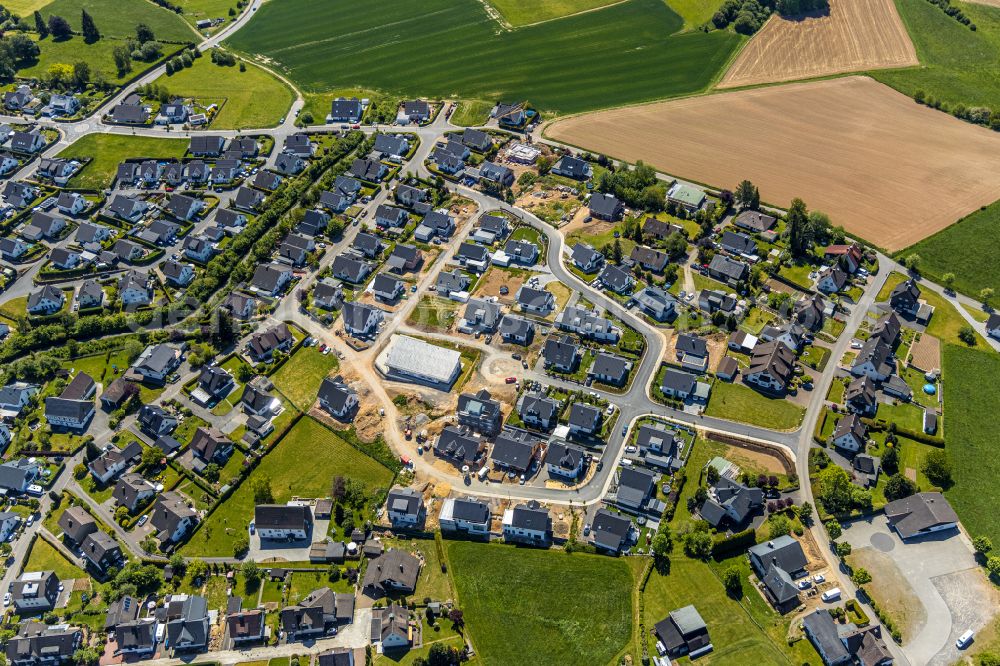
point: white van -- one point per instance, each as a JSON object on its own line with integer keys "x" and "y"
{"x": 483, "y": 472}
{"x": 964, "y": 640}
{"x": 831, "y": 595}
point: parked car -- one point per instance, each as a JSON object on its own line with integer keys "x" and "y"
{"x": 511, "y": 380}
{"x": 963, "y": 641}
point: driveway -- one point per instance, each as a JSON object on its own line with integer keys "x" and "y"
{"x": 942, "y": 572}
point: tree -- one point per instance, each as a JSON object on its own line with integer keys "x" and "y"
{"x": 79, "y": 471}
{"x": 982, "y": 544}
{"x": 993, "y": 565}
{"x": 59, "y": 27}
{"x": 22, "y": 49}
{"x": 747, "y": 196}
{"x": 86, "y": 656}
{"x": 912, "y": 261}
{"x": 778, "y": 526}
{"x": 985, "y": 295}
{"x": 151, "y": 457}
{"x": 967, "y": 335}
{"x": 949, "y": 281}
{"x": 90, "y": 32}
{"x": 835, "y": 492}
{"x": 937, "y": 468}
{"x": 890, "y": 459}
{"x": 797, "y": 220}
{"x": 834, "y": 529}
{"x": 123, "y": 59}
{"x": 861, "y": 577}
{"x": 178, "y": 563}
{"x": 144, "y": 33}
{"x": 698, "y": 544}
{"x": 211, "y": 472}
{"x": 660, "y": 548}
{"x": 733, "y": 581}
{"x": 457, "y": 617}
{"x": 40, "y": 27}
{"x": 251, "y": 573}
{"x": 989, "y": 659}
{"x": 197, "y": 569}
{"x": 805, "y": 513}
{"x": 241, "y": 546}
{"x": 149, "y": 544}
{"x": 713, "y": 476}
{"x": 843, "y": 549}
{"x": 261, "y": 487}
{"x": 898, "y": 487}
{"x": 81, "y": 73}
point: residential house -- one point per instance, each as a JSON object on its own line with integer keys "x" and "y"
{"x": 415, "y": 111}
{"x": 34, "y": 592}
{"x": 133, "y": 491}
{"x": 612, "y": 533}
{"x": 56, "y": 169}
{"x": 37, "y": 644}
{"x": 17, "y": 99}
{"x": 264, "y": 344}
{"x": 683, "y": 386}
{"x": 187, "y": 622}
{"x": 527, "y": 523}
{"x": 271, "y": 279}
{"x": 860, "y": 396}
{"x": 572, "y": 167}
{"x": 539, "y": 411}
{"x": 649, "y": 259}
{"x": 831, "y": 280}
{"x": 29, "y": 142}
{"x": 495, "y": 175}
{"x": 368, "y": 170}
{"x": 154, "y": 421}
{"x": 71, "y": 203}
{"x": 866, "y": 469}
{"x": 287, "y": 164}
{"x": 849, "y": 257}
{"x": 515, "y": 451}
{"x": 687, "y": 197}
{"x": 657, "y": 302}
{"x": 851, "y": 434}
{"x": 727, "y": 270}
{"x": 610, "y": 369}
{"x": 536, "y": 301}
{"x": 44, "y": 225}
{"x": 157, "y": 361}
{"x": 691, "y": 352}
{"x": 838, "y": 645}
{"x": 776, "y": 563}
{"x": 245, "y": 626}
{"x": 176, "y": 273}
{"x": 458, "y": 447}
{"x": 18, "y": 194}
{"x": 405, "y": 507}
{"x": 477, "y": 140}
{"x": 388, "y": 217}
{"x": 198, "y": 249}
{"x": 405, "y": 258}
{"x": 874, "y": 360}
{"x": 259, "y": 402}
{"x": 361, "y": 320}
{"x": 337, "y": 398}
{"x": 731, "y": 501}
{"x": 76, "y": 524}
{"x": 473, "y": 257}
{"x": 738, "y": 244}
{"x": 295, "y": 249}
{"x": 772, "y": 367}
{"x": 606, "y": 207}
{"x": 480, "y": 316}
{"x": 65, "y": 259}
{"x": 435, "y": 224}
{"x": 395, "y": 571}
{"x": 920, "y": 514}
{"x": 45, "y": 301}
{"x": 754, "y": 221}
{"x": 391, "y": 144}
{"x": 345, "y": 110}
{"x": 248, "y": 200}
{"x": 810, "y": 312}
{"x": 905, "y": 297}
{"x": 615, "y": 279}
{"x": 561, "y": 354}
{"x": 184, "y": 207}
{"x": 584, "y": 419}
{"x": 135, "y": 288}
{"x": 171, "y": 517}
{"x": 586, "y": 258}
{"x": 565, "y": 461}
{"x": 327, "y": 294}
{"x": 388, "y": 288}
{"x": 683, "y": 632}
{"x": 240, "y": 306}
{"x": 479, "y": 411}
{"x": 587, "y": 324}
{"x": 101, "y": 551}
{"x": 287, "y": 522}
{"x": 113, "y": 461}
{"x": 314, "y": 223}
{"x": 210, "y": 445}
{"x": 13, "y": 248}
{"x": 173, "y": 112}
{"x": 521, "y": 252}
{"x": 636, "y": 491}
{"x": 15, "y": 397}
{"x": 516, "y": 330}
{"x": 16, "y": 475}
{"x": 467, "y": 516}
{"x": 451, "y": 282}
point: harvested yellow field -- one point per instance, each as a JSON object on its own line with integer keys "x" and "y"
{"x": 855, "y": 35}
{"x": 887, "y": 169}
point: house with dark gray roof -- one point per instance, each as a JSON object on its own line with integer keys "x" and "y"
{"x": 611, "y": 532}
{"x": 283, "y": 521}
{"x": 76, "y": 524}
{"x": 360, "y": 319}
{"x": 905, "y": 297}
{"x": 271, "y": 279}
{"x": 368, "y": 170}
{"x": 515, "y": 451}
{"x": 467, "y": 516}
{"x": 319, "y": 613}
{"x": 459, "y": 447}
{"x": 617, "y": 280}
{"x": 479, "y": 411}
{"x": 737, "y": 243}
{"x": 776, "y": 563}
{"x": 449, "y": 282}
{"x": 405, "y": 507}
{"x": 584, "y": 419}
{"x": 649, "y": 259}
{"x": 38, "y": 644}
{"x": 391, "y": 144}
{"x": 657, "y": 302}
{"x": 393, "y": 571}
{"x": 732, "y": 501}
{"x": 772, "y": 367}
{"x": 920, "y": 514}
{"x": 336, "y": 397}
{"x": 477, "y": 139}
{"x": 561, "y": 354}
{"x": 35, "y": 592}
{"x": 606, "y": 207}
{"x": 586, "y": 258}
{"x": 536, "y": 301}
{"x": 572, "y": 167}
{"x": 527, "y": 523}
{"x": 516, "y": 330}
{"x": 727, "y": 270}
{"x": 538, "y": 411}
{"x": 683, "y": 632}
{"x": 480, "y": 316}
{"x": 187, "y": 623}
{"x": 171, "y": 517}
{"x": 636, "y": 491}
{"x": 345, "y": 110}
{"x": 101, "y": 551}
{"x": 565, "y": 460}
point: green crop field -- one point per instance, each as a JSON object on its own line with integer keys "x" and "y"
{"x": 563, "y": 609}
{"x": 118, "y": 18}
{"x": 109, "y": 150}
{"x": 971, "y": 394}
{"x": 249, "y": 99}
{"x": 525, "y": 12}
{"x": 968, "y": 249}
{"x": 328, "y": 456}
{"x": 624, "y": 54}
{"x": 195, "y": 10}
{"x": 959, "y": 66}
{"x": 25, "y": 7}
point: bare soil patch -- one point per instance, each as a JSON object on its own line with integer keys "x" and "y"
{"x": 490, "y": 283}
{"x": 925, "y": 353}
{"x": 890, "y": 589}
{"x": 884, "y": 167}
{"x": 855, "y": 35}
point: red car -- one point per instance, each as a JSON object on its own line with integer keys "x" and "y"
{"x": 322, "y": 347}
{"x": 511, "y": 380}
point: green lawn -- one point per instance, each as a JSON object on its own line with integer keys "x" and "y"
{"x": 109, "y": 150}
{"x": 958, "y": 65}
{"x": 433, "y": 582}
{"x": 382, "y": 107}
{"x": 195, "y": 10}
{"x": 249, "y": 99}
{"x": 736, "y": 638}
{"x": 622, "y": 55}
{"x": 946, "y": 321}
{"x": 525, "y": 12}
{"x": 44, "y": 557}
{"x": 470, "y": 113}
{"x": 741, "y": 403}
{"x": 103, "y": 368}
{"x": 328, "y": 456}
{"x": 563, "y": 609}
{"x": 301, "y": 375}
{"x": 972, "y": 395}
{"x": 434, "y": 312}
{"x": 118, "y": 18}
{"x": 695, "y": 12}
{"x": 968, "y": 249}
{"x": 903, "y": 414}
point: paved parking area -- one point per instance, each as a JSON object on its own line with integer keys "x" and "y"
{"x": 944, "y": 575}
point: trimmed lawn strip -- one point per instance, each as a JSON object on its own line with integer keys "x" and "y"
{"x": 44, "y": 557}
{"x": 300, "y": 377}
{"x": 737, "y": 402}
